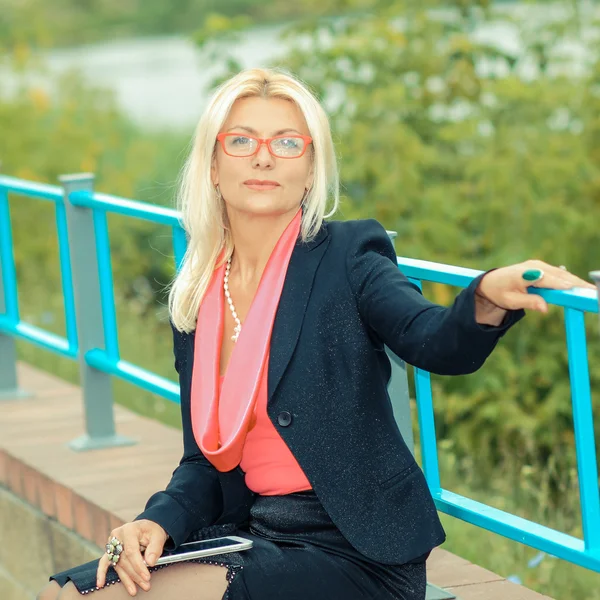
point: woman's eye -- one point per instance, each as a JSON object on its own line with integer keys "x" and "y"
{"x": 240, "y": 140}
{"x": 289, "y": 142}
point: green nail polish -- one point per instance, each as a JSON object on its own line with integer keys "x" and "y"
{"x": 531, "y": 274}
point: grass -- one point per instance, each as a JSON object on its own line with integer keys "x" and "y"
{"x": 524, "y": 492}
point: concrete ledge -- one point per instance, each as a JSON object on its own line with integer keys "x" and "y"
{"x": 33, "y": 547}
{"x": 90, "y": 493}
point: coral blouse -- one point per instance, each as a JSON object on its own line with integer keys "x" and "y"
{"x": 229, "y": 413}
{"x": 270, "y": 467}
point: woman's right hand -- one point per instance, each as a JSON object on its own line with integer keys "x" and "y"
{"x": 137, "y": 537}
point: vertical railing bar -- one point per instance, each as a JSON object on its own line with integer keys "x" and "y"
{"x": 9, "y": 272}
{"x": 179, "y": 245}
{"x": 426, "y": 418}
{"x": 107, "y": 295}
{"x": 97, "y": 383}
{"x": 583, "y": 421}
{"x": 427, "y": 434}
{"x": 398, "y": 390}
{"x": 66, "y": 275}
{"x": 9, "y": 305}
{"x": 399, "y": 393}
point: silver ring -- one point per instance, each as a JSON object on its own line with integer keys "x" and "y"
{"x": 114, "y": 549}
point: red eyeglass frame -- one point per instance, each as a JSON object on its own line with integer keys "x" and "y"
{"x": 306, "y": 138}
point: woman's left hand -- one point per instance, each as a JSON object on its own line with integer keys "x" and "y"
{"x": 506, "y": 289}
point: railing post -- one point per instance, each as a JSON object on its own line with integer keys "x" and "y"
{"x": 398, "y": 390}
{"x": 9, "y": 387}
{"x": 400, "y": 397}
{"x": 97, "y": 385}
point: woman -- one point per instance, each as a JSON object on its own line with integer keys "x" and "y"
{"x": 279, "y": 321}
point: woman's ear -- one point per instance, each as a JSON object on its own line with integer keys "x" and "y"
{"x": 214, "y": 172}
{"x": 310, "y": 179}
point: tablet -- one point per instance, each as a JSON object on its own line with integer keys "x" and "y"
{"x": 211, "y": 547}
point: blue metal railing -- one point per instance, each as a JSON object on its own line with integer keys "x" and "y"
{"x": 10, "y": 321}
{"x": 585, "y": 552}
{"x": 105, "y": 359}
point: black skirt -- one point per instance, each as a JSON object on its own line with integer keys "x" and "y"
{"x": 298, "y": 553}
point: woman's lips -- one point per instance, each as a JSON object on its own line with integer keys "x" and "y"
{"x": 254, "y": 184}
{"x": 261, "y": 186}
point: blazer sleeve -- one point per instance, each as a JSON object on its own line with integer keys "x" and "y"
{"x": 192, "y": 499}
{"x": 438, "y": 339}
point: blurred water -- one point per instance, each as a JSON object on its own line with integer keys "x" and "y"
{"x": 161, "y": 82}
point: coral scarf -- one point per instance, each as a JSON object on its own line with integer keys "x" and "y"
{"x": 221, "y": 420}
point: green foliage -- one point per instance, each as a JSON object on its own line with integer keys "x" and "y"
{"x": 79, "y": 129}
{"x": 68, "y": 22}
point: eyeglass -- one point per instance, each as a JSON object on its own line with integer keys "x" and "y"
{"x": 282, "y": 146}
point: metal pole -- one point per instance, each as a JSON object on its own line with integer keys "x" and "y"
{"x": 400, "y": 397}
{"x": 9, "y": 309}
{"x": 398, "y": 390}
{"x": 97, "y": 385}
{"x": 9, "y": 389}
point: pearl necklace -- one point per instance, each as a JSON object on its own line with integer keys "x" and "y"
{"x": 238, "y": 325}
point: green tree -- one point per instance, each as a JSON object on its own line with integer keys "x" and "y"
{"x": 79, "y": 129}
{"x": 69, "y": 22}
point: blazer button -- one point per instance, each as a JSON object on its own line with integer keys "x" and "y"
{"x": 284, "y": 418}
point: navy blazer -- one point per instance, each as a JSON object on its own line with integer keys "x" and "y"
{"x": 343, "y": 299}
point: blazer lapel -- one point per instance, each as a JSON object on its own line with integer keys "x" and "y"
{"x": 294, "y": 298}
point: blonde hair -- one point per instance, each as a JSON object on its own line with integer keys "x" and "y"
{"x": 204, "y": 217}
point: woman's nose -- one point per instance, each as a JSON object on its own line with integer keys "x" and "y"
{"x": 263, "y": 156}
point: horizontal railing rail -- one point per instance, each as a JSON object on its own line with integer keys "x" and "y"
{"x": 81, "y": 222}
